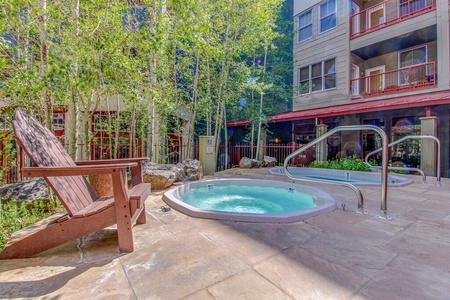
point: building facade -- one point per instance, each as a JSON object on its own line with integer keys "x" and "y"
{"x": 383, "y": 63}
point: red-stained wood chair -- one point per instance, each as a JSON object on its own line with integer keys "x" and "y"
{"x": 86, "y": 212}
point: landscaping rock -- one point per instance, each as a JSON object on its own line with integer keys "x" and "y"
{"x": 247, "y": 163}
{"x": 192, "y": 170}
{"x": 269, "y": 161}
{"x": 162, "y": 176}
{"x": 27, "y": 190}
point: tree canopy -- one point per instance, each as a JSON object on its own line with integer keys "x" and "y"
{"x": 160, "y": 65}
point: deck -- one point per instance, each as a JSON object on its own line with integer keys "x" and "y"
{"x": 340, "y": 255}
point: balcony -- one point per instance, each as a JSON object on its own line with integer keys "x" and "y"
{"x": 387, "y": 13}
{"x": 407, "y": 79}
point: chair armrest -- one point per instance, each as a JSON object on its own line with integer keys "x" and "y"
{"x": 135, "y": 172}
{"x": 110, "y": 161}
{"x": 76, "y": 170}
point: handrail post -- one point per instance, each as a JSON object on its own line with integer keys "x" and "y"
{"x": 438, "y": 167}
{"x": 384, "y": 169}
{"x": 384, "y": 173}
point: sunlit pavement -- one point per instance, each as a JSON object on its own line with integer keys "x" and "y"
{"x": 340, "y": 255}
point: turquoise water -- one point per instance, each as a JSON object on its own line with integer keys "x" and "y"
{"x": 249, "y": 199}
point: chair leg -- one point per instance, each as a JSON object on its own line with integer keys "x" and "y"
{"x": 142, "y": 219}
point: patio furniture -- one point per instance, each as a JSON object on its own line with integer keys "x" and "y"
{"x": 85, "y": 212}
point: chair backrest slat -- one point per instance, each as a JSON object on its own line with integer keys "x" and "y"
{"x": 45, "y": 150}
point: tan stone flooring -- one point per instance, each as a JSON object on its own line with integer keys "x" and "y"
{"x": 340, "y": 255}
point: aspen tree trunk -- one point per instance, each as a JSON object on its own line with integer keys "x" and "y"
{"x": 191, "y": 123}
{"x": 88, "y": 112}
{"x": 208, "y": 96}
{"x": 72, "y": 108}
{"x": 115, "y": 153}
{"x": 261, "y": 101}
{"x": 226, "y": 137}
{"x": 133, "y": 148}
{"x": 151, "y": 110}
{"x": 221, "y": 102}
{"x": 43, "y": 53}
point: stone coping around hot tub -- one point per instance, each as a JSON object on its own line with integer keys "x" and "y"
{"x": 326, "y": 202}
{"x": 393, "y": 180}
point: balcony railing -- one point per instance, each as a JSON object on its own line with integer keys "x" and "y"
{"x": 387, "y": 13}
{"x": 402, "y": 80}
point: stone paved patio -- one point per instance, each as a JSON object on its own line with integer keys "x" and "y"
{"x": 340, "y": 255}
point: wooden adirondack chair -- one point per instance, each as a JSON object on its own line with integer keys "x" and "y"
{"x": 86, "y": 212}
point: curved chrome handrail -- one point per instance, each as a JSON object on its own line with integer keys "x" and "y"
{"x": 424, "y": 177}
{"x": 349, "y": 185}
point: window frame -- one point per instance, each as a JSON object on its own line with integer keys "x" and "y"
{"x": 323, "y": 76}
{"x": 58, "y": 121}
{"x": 404, "y": 3}
{"x": 299, "y": 29}
{"x": 399, "y": 54}
{"x": 328, "y": 15}
{"x": 411, "y": 50}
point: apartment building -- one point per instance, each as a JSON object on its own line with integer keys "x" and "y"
{"x": 372, "y": 62}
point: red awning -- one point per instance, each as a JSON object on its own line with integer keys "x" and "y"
{"x": 428, "y": 99}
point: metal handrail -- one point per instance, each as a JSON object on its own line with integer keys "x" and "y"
{"x": 349, "y": 185}
{"x": 424, "y": 178}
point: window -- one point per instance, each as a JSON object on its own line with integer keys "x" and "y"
{"x": 408, "y": 152}
{"x": 305, "y": 26}
{"x": 371, "y": 140}
{"x": 375, "y": 79}
{"x": 354, "y": 76}
{"x": 376, "y": 16}
{"x": 356, "y": 18}
{"x": 412, "y": 57}
{"x": 58, "y": 121}
{"x": 327, "y": 16}
{"x": 320, "y": 76}
{"x": 101, "y": 122}
{"x": 407, "y": 7}
{"x": 109, "y": 122}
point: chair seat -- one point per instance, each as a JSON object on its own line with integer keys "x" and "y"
{"x": 95, "y": 207}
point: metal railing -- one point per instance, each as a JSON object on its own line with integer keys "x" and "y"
{"x": 409, "y": 137}
{"x": 358, "y": 193}
{"x": 400, "y": 80}
{"x": 387, "y": 13}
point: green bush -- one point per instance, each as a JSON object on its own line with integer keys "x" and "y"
{"x": 14, "y": 216}
{"x": 351, "y": 164}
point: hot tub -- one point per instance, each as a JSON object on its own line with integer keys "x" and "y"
{"x": 249, "y": 200}
{"x": 353, "y": 177}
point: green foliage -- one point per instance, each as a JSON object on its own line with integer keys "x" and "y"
{"x": 351, "y": 164}
{"x": 14, "y": 216}
{"x": 191, "y": 62}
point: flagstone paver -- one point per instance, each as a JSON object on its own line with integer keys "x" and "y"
{"x": 340, "y": 255}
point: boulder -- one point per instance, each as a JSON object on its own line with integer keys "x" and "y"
{"x": 269, "y": 161}
{"x": 162, "y": 176}
{"x": 27, "y": 190}
{"x": 192, "y": 170}
{"x": 247, "y": 163}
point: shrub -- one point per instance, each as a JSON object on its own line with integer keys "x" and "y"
{"x": 351, "y": 164}
{"x": 14, "y": 216}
